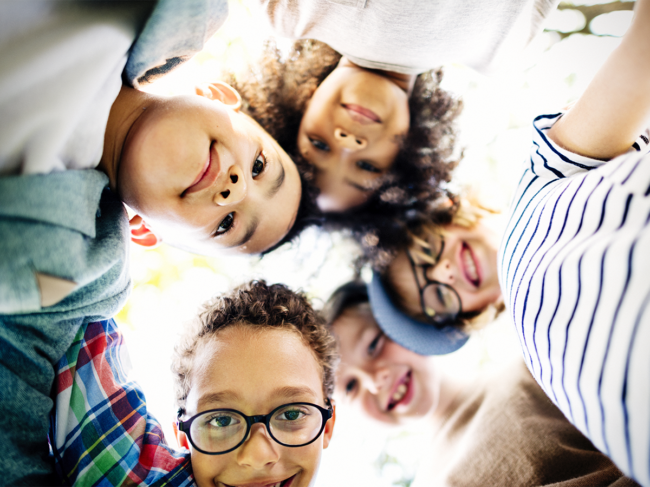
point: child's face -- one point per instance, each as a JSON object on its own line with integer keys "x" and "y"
{"x": 206, "y": 177}
{"x": 468, "y": 264}
{"x": 351, "y": 132}
{"x": 255, "y": 371}
{"x": 388, "y": 382}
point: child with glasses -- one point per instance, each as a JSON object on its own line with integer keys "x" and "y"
{"x": 500, "y": 428}
{"x": 441, "y": 273}
{"x": 254, "y": 376}
{"x": 574, "y": 260}
{"x": 78, "y": 139}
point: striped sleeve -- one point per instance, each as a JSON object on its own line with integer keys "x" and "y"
{"x": 574, "y": 267}
{"x": 102, "y": 433}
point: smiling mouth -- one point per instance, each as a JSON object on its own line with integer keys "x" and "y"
{"x": 208, "y": 174}
{"x": 361, "y": 114}
{"x": 402, "y": 392}
{"x": 470, "y": 267}
{"x": 282, "y": 483}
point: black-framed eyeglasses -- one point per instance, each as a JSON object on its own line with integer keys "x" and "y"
{"x": 220, "y": 431}
{"x": 439, "y": 301}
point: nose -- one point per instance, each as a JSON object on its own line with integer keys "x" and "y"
{"x": 348, "y": 140}
{"x": 376, "y": 380}
{"x": 259, "y": 450}
{"x": 442, "y": 272}
{"x": 234, "y": 190}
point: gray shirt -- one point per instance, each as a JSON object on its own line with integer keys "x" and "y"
{"x": 410, "y": 36}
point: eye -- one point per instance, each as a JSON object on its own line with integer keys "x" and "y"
{"x": 373, "y": 347}
{"x": 291, "y": 415}
{"x": 259, "y": 165}
{"x": 351, "y": 386}
{"x": 366, "y": 166}
{"x": 222, "y": 421}
{"x": 319, "y": 144}
{"x": 225, "y": 225}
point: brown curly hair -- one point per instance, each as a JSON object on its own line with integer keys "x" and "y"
{"x": 257, "y": 305}
{"x": 275, "y": 93}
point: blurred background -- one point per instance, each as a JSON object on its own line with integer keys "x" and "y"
{"x": 170, "y": 285}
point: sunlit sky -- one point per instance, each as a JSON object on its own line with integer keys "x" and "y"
{"x": 170, "y": 285}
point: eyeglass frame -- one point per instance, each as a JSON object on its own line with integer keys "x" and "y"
{"x": 185, "y": 426}
{"x": 429, "y": 282}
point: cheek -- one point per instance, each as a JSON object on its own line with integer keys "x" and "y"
{"x": 206, "y": 468}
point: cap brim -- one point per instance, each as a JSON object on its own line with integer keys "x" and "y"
{"x": 419, "y": 337}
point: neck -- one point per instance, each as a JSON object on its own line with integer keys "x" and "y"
{"x": 404, "y": 81}
{"x": 125, "y": 111}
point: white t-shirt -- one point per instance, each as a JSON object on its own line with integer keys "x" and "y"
{"x": 411, "y": 36}
{"x": 574, "y": 268}
{"x": 60, "y": 72}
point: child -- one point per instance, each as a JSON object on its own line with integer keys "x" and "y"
{"x": 259, "y": 350}
{"x": 201, "y": 175}
{"x": 500, "y": 429}
{"x": 365, "y": 109}
{"x": 574, "y": 265}
{"x": 443, "y": 273}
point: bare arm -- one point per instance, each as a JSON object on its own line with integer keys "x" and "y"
{"x": 615, "y": 107}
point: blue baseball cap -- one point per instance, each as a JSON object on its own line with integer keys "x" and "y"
{"x": 420, "y": 337}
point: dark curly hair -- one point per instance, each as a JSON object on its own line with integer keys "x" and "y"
{"x": 256, "y": 305}
{"x": 275, "y": 93}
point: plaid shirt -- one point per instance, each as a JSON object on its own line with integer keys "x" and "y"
{"x": 102, "y": 434}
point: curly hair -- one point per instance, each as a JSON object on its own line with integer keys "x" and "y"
{"x": 259, "y": 306}
{"x": 276, "y": 92}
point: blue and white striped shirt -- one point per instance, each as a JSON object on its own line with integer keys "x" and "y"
{"x": 574, "y": 267}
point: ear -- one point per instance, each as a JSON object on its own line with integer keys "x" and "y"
{"x": 222, "y": 92}
{"x": 329, "y": 426}
{"x": 142, "y": 234}
{"x": 181, "y": 437}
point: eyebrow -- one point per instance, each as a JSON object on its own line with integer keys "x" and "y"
{"x": 293, "y": 392}
{"x": 357, "y": 186}
{"x": 277, "y": 184}
{"x": 219, "y": 397}
{"x": 250, "y": 231}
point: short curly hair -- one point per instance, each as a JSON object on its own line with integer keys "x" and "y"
{"x": 275, "y": 92}
{"x": 259, "y": 306}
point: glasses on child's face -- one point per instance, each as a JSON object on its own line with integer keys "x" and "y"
{"x": 220, "y": 431}
{"x": 439, "y": 301}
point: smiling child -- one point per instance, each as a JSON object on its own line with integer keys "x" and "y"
{"x": 254, "y": 376}
{"x": 357, "y": 99}
{"x": 501, "y": 429}
{"x": 199, "y": 173}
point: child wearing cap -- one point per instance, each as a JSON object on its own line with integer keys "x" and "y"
{"x": 254, "y": 376}
{"x": 500, "y": 428}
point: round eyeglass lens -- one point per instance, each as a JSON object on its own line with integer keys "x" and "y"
{"x": 218, "y": 431}
{"x": 440, "y": 301}
{"x": 296, "y": 424}
{"x": 436, "y": 243}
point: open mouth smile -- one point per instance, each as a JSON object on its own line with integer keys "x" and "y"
{"x": 281, "y": 483}
{"x": 470, "y": 266}
{"x": 402, "y": 392}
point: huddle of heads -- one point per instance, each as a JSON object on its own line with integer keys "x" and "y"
{"x": 255, "y": 376}
{"x": 304, "y": 138}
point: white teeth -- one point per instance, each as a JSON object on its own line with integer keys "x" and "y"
{"x": 399, "y": 393}
{"x": 470, "y": 267}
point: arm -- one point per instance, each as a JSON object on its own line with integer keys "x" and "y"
{"x": 615, "y": 108}
{"x": 99, "y": 409}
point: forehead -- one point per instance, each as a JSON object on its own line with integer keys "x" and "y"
{"x": 255, "y": 364}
